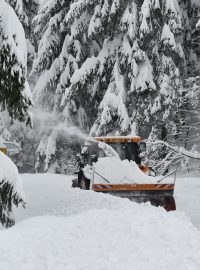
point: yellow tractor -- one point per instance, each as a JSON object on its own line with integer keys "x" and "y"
{"x": 157, "y": 190}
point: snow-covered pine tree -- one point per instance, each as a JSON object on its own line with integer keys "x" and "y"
{"x": 57, "y": 57}
{"x": 15, "y": 92}
{"x": 192, "y": 127}
{"x": 137, "y": 66}
{"x": 165, "y": 32}
{"x": 178, "y": 123}
{"x": 134, "y": 64}
{"x": 115, "y": 65}
{"x": 15, "y": 98}
{"x": 84, "y": 51}
{"x": 14, "y": 130}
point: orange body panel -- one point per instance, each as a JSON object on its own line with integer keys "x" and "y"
{"x": 129, "y": 187}
{"x": 145, "y": 169}
{"x": 116, "y": 139}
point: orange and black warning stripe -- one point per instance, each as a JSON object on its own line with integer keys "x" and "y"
{"x": 132, "y": 187}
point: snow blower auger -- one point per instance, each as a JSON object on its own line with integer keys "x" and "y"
{"x": 113, "y": 165}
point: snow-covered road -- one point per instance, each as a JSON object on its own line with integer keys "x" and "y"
{"x": 83, "y": 230}
{"x": 187, "y": 194}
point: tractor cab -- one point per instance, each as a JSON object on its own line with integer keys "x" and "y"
{"x": 127, "y": 148}
{"x": 130, "y": 148}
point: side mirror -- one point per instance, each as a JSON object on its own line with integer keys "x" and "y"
{"x": 142, "y": 147}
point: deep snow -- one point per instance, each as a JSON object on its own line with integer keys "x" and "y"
{"x": 86, "y": 230}
{"x": 187, "y": 194}
{"x": 49, "y": 193}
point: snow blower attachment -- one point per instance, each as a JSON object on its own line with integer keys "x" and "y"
{"x": 113, "y": 165}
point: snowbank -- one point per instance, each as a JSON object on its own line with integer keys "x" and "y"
{"x": 187, "y": 192}
{"x": 97, "y": 231}
{"x": 117, "y": 172}
{"x": 52, "y": 194}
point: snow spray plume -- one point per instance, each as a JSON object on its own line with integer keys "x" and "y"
{"x": 69, "y": 132}
{"x": 55, "y": 123}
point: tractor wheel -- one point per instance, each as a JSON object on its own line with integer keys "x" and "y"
{"x": 170, "y": 204}
{"x": 85, "y": 183}
{"x": 167, "y": 202}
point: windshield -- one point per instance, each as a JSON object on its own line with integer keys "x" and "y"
{"x": 127, "y": 150}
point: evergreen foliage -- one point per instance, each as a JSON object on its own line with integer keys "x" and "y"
{"x": 118, "y": 66}
{"x": 8, "y": 198}
{"x": 12, "y": 85}
{"x": 15, "y": 94}
{"x": 112, "y": 67}
{"x": 15, "y": 100}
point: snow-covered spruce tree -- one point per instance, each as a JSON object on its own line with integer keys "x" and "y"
{"x": 18, "y": 131}
{"x": 144, "y": 85}
{"x": 84, "y": 50}
{"x": 180, "y": 130}
{"x": 57, "y": 57}
{"x": 116, "y": 65}
{"x": 192, "y": 127}
{"x": 136, "y": 66}
{"x": 160, "y": 34}
{"x": 15, "y": 94}
{"x": 15, "y": 98}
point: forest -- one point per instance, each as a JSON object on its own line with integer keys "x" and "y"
{"x": 99, "y": 134}
{"x": 100, "y": 67}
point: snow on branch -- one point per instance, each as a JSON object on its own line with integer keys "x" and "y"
{"x": 198, "y": 25}
{"x": 77, "y": 8}
{"x": 181, "y": 150}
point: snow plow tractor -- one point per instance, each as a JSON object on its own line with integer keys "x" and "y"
{"x": 114, "y": 165}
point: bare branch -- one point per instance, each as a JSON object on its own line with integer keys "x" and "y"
{"x": 181, "y": 150}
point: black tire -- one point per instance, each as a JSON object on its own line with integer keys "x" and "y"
{"x": 84, "y": 183}
{"x": 170, "y": 204}
{"x": 167, "y": 202}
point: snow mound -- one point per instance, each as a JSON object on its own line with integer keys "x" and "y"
{"x": 118, "y": 235}
{"x": 118, "y": 172}
{"x": 95, "y": 231}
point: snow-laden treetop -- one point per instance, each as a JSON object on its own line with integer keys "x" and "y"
{"x": 13, "y": 32}
{"x": 15, "y": 91}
